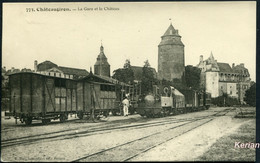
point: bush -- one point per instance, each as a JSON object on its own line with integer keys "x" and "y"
{"x": 229, "y": 101}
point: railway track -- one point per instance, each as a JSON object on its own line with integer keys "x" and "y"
{"x": 81, "y": 131}
{"x": 162, "y": 137}
{"x": 104, "y": 154}
{"x": 61, "y": 135}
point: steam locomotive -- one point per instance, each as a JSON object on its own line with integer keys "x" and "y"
{"x": 167, "y": 100}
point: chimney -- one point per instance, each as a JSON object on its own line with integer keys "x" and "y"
{"x": 90, "y": 72}
{"x": 201, "y": 58}
{"x": 12, "y": 70}
{"x": 242, "y": 64}
{"x": 177, "y": 32}
{"x": 35, "y": 66}
{"x": 233, "y": 65}
{"x": 4, "y": 68}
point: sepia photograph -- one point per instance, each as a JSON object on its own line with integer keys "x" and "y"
{"x": 128, "y": 81}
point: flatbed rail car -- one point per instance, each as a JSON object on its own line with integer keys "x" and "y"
{"x": 36, "y": 96}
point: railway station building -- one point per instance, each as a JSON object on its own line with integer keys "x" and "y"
{"x": 218, "y": 78}
{"x": 52, "y": 69}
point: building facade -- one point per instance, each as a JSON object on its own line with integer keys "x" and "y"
{"x": 51, "y": 69}
{"x": 102, "y": 67}
{"x": 218, "y": 78}
{"x": 171, "y": 55}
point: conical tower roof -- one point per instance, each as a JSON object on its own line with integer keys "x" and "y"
{"x": 171, "y": 31}
{"x": 102, "y": 54}
{"x": 171, "y": 37}
{"x": 101, "y": 59}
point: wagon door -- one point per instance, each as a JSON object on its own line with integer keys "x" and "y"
{"x": 50, "y": 95}
{"x": 15, "y": 93}
{"x": 37, "y": 93}
{"x": 60, "y": 95}
{"x": 79, "y": 94}
{"x": 71, "y": 95}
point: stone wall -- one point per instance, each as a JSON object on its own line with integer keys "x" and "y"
{"x": 171, "y": 61}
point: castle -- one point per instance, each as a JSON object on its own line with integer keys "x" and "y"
{"x": 218, "y": 78}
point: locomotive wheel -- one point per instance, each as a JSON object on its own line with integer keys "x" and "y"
{"x": 28, "y": 121}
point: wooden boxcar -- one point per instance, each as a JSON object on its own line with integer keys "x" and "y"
{"x": 41, "y": 97}
{"x": 36, "y": 96}
{"x": 96, "y": 96}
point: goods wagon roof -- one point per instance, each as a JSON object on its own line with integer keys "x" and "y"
{"x": 34, "y": 73}
{"x": 176, "y": 92}
{"x": 97, "y": 78}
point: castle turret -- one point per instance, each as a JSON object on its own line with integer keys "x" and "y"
{"x": 101, "y": 66}
{"x": 35, "y": 66}
{"x": 171, "y": 55}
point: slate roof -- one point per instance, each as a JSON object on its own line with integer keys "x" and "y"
{"x": 168, "y": 31}
{"x": 101, "y": 59}
{"x": 241, "y": 69}
{"x": 170, "y": 37}
{"x": 224, "y": 67}
{"x": 73, "y": 71}
{"x": 45, "y": 66}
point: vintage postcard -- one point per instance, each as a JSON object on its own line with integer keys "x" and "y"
{"x": 128, "y": 81}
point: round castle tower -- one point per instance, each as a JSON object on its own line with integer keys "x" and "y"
{"x": 171, "y": 55}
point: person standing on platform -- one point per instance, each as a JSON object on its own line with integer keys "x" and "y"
{"x": 125, "y": 103}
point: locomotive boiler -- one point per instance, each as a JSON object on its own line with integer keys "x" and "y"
{"x": 167, "y": 100}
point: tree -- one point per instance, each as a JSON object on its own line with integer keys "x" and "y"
{"x": 250, "y": 95}
{"x": 192, "y": 77}
{"x": 125, "y": 74}
{"x": 127, "y": 64}
{"x": 148, "y": 79}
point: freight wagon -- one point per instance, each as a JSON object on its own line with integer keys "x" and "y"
{"x": 35, "y": 96}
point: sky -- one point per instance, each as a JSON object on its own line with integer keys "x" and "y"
{"x": 127, "y": 31}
